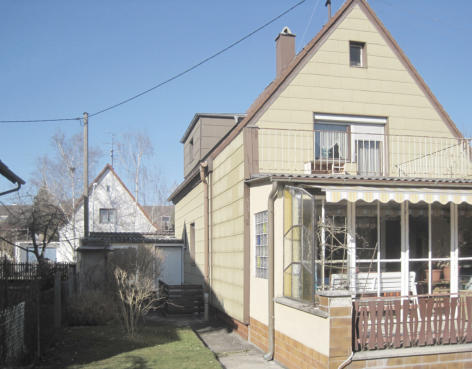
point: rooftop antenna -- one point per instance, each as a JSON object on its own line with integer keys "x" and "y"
{"x": 112, "y": 149}
{"x": 328, "y": 4}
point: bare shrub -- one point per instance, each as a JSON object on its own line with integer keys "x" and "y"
{"x": 135, "y": 272}
{"x": 91, "y": 307}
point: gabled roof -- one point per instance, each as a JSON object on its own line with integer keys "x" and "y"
{"x": 265, "y": 98}
{"x": 279, "y": 82}
{"x": 109, "y": 169}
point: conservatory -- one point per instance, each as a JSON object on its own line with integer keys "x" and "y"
{"x": 376, "y": 241}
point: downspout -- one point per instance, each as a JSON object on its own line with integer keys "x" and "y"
{"x": 272, "y": 196}
{"x": 18, "y": 186}
{"x": 206, "y": 237}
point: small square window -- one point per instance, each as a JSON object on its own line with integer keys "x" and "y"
{"x": 107, "y": 216}
{"x": 357, "y": 54}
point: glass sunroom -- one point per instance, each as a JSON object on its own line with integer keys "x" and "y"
{"x": 376, "y": 241}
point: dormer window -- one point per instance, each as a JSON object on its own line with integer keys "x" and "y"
{"x": 357, "y": 54}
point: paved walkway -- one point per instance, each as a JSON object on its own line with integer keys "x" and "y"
{"x": 232, "y": 351}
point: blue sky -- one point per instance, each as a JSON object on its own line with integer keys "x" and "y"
{"x": 61, "y": 58}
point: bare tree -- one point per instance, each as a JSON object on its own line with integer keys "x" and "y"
{"x": 61, "y": 174}
{"x": 40, "y": 221}
{"x": 133, "y": 150}
{"x": 134, "y": 273}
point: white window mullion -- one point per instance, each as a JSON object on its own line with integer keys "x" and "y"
{"x": 454, "y": 250}
{"x": 351, "y": 244}
{"x": 430, "y": 243}
{"x": 405, "y": 249}
{"x": 323, "y": 244}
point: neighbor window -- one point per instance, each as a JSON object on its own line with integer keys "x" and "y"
{"x": 261, "y": 244}
{"x": 107, "y": 216}
{"x": 357, "y": 54}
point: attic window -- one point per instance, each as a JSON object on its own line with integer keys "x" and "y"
{"x": 357, "y": 54}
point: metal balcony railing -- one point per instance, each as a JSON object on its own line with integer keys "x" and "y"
{"x": 363, "y": 153}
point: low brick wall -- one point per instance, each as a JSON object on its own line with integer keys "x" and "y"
{"x": 12, "y": 340}
{"x": 460, "y": 360}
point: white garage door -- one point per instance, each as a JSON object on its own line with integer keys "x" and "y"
{"x": 171, "y": 272}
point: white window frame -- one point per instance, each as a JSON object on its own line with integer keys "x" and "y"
{"x": 261, "y": 249}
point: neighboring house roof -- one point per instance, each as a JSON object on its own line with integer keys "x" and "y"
{"x": 103, "y": 239}
{"x": 197, "y": 116}
{"x": 100, "y": 177}
{"x": 266, "y": 97}
{"x": 8, "y": 174}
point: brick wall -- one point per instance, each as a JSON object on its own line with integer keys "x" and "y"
{"x": 289, "y": 352}
{"x": 12, "y": 321}
{"x": 460, "y": 360}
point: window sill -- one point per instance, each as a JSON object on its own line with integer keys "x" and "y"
{"x": 302, "y": 306}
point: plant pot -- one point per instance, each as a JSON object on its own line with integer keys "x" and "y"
{"x": 447, "y": 273}
{"x": 435, "y": 275}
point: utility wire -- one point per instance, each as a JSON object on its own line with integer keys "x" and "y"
{"x": 39, "y": 120}
{"x": 178, "y": 75}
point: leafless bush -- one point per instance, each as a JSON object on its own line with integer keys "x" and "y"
{"x": 135, "y": 272}
{"x": 91, "y": 307}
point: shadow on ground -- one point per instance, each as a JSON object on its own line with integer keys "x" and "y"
{"x": 79, "y": 346}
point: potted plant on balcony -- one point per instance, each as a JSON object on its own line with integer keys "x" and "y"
{"x": 446, "y": 269}
{"x": 435, "y": 273}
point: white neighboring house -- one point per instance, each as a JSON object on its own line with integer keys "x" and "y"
{"x": 112, "y": 208}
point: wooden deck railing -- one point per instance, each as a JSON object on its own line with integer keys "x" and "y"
{"x": 387, "y": 323}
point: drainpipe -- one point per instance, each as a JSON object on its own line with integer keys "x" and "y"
{"x": 272, "y": 197}
{"x": 206, "y": 237}
{"x": 17, "y": 188}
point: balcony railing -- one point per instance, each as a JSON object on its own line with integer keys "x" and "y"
{"x": 363, "y": 153}
{"x": 429, "y": 320}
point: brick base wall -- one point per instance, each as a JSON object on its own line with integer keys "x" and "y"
{"x": 289, "y": 352}
{"x": 237, "y": 326}
{"x": 461, "y": 360}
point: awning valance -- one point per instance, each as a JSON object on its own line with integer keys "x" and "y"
{"x": 384, "y": 195}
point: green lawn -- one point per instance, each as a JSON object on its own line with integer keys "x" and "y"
{"x": 162, "y": 347}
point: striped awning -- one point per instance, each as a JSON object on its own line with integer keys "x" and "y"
{"x": 384, "y": 195}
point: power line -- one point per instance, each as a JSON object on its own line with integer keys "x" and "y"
{"x": 39, "y": 120}
{"x": 178, "y": 75}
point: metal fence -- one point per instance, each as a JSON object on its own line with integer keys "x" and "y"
{"x": 43, "y": 296}
{"x": 33, "y": 271}
{"x": 363, "y": 152}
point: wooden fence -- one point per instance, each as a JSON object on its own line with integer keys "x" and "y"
{"x": 31, "y": 271}
{"x": 182, "y": 299}
{"x": 386, "y": 323}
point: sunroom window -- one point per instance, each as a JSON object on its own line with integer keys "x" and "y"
{"x": 299, "y": 266}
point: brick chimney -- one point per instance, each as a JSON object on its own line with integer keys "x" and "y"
{"x": 285, "y": 50}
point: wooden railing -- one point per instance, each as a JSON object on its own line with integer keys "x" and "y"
{"x": 390, "y": 323}
{"x": 182, "y": 299}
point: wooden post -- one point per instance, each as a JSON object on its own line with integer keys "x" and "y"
{"x": 57, "y": 300}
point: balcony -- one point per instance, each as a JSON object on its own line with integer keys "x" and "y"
{"x": 363, "y": 153}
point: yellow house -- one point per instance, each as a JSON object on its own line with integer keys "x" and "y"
{"x": 332, "y": 223}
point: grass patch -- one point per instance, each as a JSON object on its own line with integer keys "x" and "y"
{"x": 162, "y": 347}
